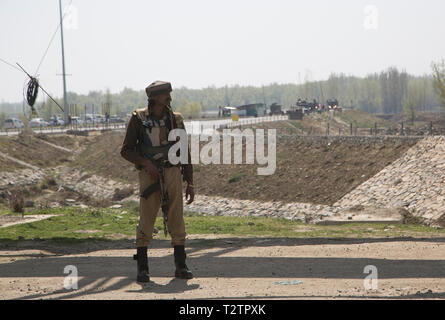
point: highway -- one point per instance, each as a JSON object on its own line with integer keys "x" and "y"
{"x": 191, "y": 126}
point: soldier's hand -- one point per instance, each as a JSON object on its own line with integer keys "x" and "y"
{"x": 189, "y": 194}
{"x": 151, "y": 170}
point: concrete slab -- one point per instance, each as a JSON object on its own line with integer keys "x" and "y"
{"x": 361, "y": 214}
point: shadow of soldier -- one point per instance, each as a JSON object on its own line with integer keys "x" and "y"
{"x": 174, "y": 286}
{"x": 95, "y": 275}
{"x": 108, "y": 272}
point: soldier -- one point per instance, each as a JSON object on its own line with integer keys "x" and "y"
{"x": 146, "y": 145}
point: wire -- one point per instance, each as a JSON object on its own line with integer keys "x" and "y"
{"x": 33, "y": 84}
{"x": 51, "y": 41}
{"x": 11, "y": 65}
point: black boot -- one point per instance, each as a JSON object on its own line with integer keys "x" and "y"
{"x": 182, "y": 271}
{"x": 142, "y": 260}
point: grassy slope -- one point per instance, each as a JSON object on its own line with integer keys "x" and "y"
{"x": 362, "y": 119}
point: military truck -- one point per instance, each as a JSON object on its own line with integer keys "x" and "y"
{"x": 275, "y": 109}
{"x": 252, "y": 110}
{"x": 308, "y": 106}
{"x": 332, "y": 103}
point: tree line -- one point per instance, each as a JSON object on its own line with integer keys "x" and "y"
{"x": 390, "y": 91}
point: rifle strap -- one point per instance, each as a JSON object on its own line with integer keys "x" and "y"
{"x": 150, "y": 189}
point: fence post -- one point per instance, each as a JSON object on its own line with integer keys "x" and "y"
{"x": 402, "y": 133}
{"x": 431, "y": 128}
{"x": 375, "y": 128}
{"x": 351, "y": 127}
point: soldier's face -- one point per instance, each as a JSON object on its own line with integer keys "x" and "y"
{"x": 163, "y": 98}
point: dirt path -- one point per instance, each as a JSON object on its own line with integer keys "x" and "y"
{"x": 7, "y": 221}
{"x": 227, "y": 267}
{"x": 23, "y": 163}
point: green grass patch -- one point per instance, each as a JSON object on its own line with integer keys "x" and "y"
{"x": 362, "y": 119}
{"x": 73, "y": 224}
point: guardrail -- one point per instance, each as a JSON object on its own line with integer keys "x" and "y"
{"x": 191, "y": 125}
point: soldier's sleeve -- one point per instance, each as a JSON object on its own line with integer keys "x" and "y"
{"x": 187, "y": 168}
{"x": 128, "y": 149}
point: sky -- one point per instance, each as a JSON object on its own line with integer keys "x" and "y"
{"x": 113, "y": 44}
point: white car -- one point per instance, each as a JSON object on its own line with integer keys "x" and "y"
{"x": 99, "y": 119}
{"x": 38, "y": 122}
{"x": 56, "y": 121}
{"x": 13, "y": 123}
{"x": 76, "y": 121}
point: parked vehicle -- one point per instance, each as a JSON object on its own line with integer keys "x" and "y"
{"x": 115, "y": 119}
{"x": 13, "y": 123}
{"x": 76, "y": 121}
{"x": 56, "y": 121}
{"x": 99, "y": 119}
{"x": 88, "y": 119}
{"x": 275, "y": 109}
{"x": 38, "y": 122}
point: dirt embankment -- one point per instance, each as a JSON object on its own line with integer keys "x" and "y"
{"x": 308, "y": 170}
{"x": 101, "y": 155}
{"x": 311, "y": 170}
{"x": 33, "y": 150}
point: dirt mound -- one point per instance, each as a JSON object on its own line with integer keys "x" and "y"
{"x": 317, "y": 170}
{"x": 31, "y": 149}
{"x": 101, "y": 155}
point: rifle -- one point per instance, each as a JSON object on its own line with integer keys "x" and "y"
{"x": 164, "y": 198}
{"x": 158, "y": 156}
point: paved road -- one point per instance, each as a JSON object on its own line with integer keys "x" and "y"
{"x": 193, "y": 127}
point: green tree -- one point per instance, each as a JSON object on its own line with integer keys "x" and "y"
{"x": 48, "y": 109}
{"x": 412, "y": 101}
{"x": 439, "y": 80}
{"x": 189, "y": 109}
{"x": 2, "y": 119}
{"x": 107, "y": 106}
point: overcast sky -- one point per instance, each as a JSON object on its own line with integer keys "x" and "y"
{"x": 198, "y": 43}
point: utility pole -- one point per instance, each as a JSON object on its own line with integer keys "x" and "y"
{"x": 264, "y": 98}
{"x": 65, "y": 103}
{"x": 227, "y": 96}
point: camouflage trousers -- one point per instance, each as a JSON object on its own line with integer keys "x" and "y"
{"x": 149, "y": 208}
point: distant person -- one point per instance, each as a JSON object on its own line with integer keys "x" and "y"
{"x": 146, "y": 145}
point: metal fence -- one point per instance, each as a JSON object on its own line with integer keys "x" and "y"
{"x": 400, "y": 130}
{"x": 200, "y": 126}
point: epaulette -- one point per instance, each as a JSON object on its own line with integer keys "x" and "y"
{"x": 179, "y": 119}
{"x": 141, "y": 113}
